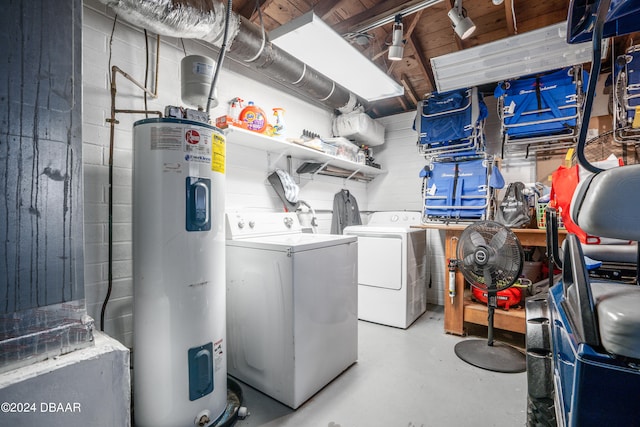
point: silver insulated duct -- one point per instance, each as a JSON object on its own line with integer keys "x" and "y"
{"x": 204, "y": 20}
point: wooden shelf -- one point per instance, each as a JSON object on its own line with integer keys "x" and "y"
{"x": 510, "y": 320}
{"x": 247, "y": 138}
{"x": 460, "y": 309}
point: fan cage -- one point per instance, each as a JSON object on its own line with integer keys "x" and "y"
{"x": 505, "y": 263}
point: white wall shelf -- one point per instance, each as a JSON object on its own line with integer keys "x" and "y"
{"x": 282, "y": 148}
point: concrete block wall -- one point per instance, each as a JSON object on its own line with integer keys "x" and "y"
{"x": 401, "y": 187}
{"x": 89, "y": 387}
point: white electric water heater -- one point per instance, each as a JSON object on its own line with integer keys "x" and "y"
{"x": 180, "y": 371}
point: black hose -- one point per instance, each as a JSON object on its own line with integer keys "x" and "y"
{"x": 221, "y": 55}
{"x": 603, "y": 8}
{"x": 110, "y": 195}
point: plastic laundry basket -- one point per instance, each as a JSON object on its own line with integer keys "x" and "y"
{"x": 541, "y": 217}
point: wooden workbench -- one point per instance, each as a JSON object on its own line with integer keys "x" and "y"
{"x": 462, "y": 309}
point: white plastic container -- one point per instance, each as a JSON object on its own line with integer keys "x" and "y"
{"x": 358, "y": 126}
{"x": 344, "y": 148}
{"x": 180, "y": 370}
{"x": 195, "y": 80}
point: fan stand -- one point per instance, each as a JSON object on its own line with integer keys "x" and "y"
{"x": 497, "y": 357}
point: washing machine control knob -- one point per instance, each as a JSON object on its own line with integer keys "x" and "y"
{"x": 288, "y": 222}
{"x": 252, "y": 224}
{"x": 395, "y": 218}
{"x": 241, "y": 224}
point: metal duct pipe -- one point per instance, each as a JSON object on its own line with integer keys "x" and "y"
{"x": 204, "y": 20}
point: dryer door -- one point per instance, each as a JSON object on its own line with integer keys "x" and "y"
{"x": 380, "y": 261}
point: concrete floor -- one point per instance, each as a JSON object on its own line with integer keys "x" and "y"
{"x": 403, "y": 378}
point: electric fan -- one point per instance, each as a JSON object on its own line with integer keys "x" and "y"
{"x": 491, "y": 259}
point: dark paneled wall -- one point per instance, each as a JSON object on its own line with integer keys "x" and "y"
{"x": 41, "y": 197}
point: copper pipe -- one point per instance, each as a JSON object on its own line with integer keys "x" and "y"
{"x": 112, "y": 123}
{"x": 159, "y": 113}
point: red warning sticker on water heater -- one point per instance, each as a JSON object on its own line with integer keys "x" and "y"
{"x": 192, "y": 136}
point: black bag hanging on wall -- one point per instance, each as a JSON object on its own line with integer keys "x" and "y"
{"x": 514, "y": 208}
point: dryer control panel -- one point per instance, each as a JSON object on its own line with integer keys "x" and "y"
{"x": 246, "y": 224}
{"x": 400, "y": 218}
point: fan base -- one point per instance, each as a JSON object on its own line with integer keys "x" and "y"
{"x": 498, "y": 357}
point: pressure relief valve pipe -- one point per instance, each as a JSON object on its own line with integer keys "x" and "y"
{"x": 453, "y": 265}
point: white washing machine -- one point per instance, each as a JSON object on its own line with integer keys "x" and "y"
{"x": 393, "y": 270}
{"x": 292, "y": 301}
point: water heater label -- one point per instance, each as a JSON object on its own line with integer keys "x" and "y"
{"x": 166, "y": 138}
{"x": 218, "y": 355}
{"x": 202, "y": 69}
{"x": 192, "y": 136}
{"x": 196, "y": 146}
{"x": 218, "y": 151}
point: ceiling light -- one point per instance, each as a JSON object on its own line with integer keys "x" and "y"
{"x": 535, "y": 51}
{"x": 397, "y": 46}
{"x": 462, "y": 24}
{"x": 362, "y": 39}
{"x": 313, "y": 42}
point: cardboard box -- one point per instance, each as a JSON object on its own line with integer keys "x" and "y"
{"x": 546, "y": 165}
{"x": 601, "y": 124}
{"x": 224, "y": 122}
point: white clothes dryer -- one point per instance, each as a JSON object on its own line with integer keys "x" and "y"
{"x": 393, "y": 269}
{"x": 292, "y": 323}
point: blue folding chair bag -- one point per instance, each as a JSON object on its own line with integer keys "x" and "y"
{"x": 445, "y": 117}
{"x": 532, "y": 105}
{"x": 471, "y": 189}
{"x": 439, "y": 194}
{"x": 627, "y": 96}
{"x": 541, "y": 105}
{"x": 456, "y": 190}
{"x": 633, "y": 83}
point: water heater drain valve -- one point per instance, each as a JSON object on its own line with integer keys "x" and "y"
{"x": 203, "y": 418}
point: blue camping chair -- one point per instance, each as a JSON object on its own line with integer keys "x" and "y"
{"x": 626, "y": 97}
{"x": 459, "y": 188}
{"x": 450, "y": 122}
{"x": 541, "y": 111}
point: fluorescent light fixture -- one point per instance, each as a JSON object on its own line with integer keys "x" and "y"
{"x": 532, "y": 52}
{"x": 396, "y": 50}
{"x": 462, "y": 24}
{"x": 313, "y": 42}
